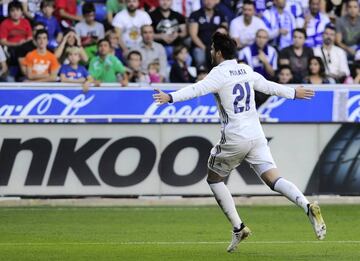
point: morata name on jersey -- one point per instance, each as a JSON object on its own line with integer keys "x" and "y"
{"x": 237, "y": 72}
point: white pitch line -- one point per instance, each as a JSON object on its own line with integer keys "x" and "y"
{"x": 175, "y": 243}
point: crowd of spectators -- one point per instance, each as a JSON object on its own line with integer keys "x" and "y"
{"x": 153, "y": 41}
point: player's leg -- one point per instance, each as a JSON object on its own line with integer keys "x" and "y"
{"x": 227, "y": 204}
{"x": 219, "y": 167}
{"x": 289, "y": 190}
{"x": 261, "y": 160}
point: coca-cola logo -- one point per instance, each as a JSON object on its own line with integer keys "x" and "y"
{"x": 42, "y": 105}
{"x": 172, "y": 113}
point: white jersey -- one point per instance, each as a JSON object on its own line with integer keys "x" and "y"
{"x": 233, "y": 85}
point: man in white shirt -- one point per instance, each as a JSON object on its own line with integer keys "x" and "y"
{"x": 242, "y": 137}
{"x": 244, "y": 27}
{"x": 128, "y": 23}
{"x": 334, "y": 58}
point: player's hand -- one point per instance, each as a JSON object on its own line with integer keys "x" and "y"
{"x": 161, "y": 97}
{"x": 302, "y": 93}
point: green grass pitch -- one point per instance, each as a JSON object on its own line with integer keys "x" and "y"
{"x": 174, "y": 233}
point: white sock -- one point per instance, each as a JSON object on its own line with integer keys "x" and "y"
{"x": 226, "y": 202}
{"x": 290, "y": 191}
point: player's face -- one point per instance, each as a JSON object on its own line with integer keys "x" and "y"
{"x": 165, "y": 4}
{"x": 299, "y": 39}
{"x": 214, "y": 56}
{"x": 353, "y": 8}
{"x": 42, "y": 41}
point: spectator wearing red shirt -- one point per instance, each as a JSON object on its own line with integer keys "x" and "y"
{"x": 15, "y": 33}
{"x": 66, "y": 11}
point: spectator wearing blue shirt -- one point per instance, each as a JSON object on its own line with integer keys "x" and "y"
{"x": 46, "y": 17}
{"x": 280, "y": 23}
{"x": 260, "y": 56}
{"x": 73, "y": 72}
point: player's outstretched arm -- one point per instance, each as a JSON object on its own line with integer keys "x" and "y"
{"x": 161, "y": 97}
{"x": 302, "y": 93}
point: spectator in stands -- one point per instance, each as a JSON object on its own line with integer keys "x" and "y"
{"x": 316, "y": 72}
{"x": 106, "y": 67}
{"x": 356, "y": 74}
{"x": 262, "y": 6}
{"x": 186, "y": 7}
{"x": 280, "y": 24}
{"x": 113, "y": 7}
{"x": 41, "y": 65}
{"x": 285, "y": 75}
{"x": 32, "y": 7}
{"x": 73, "y": 72}
{"x": 4, "y": 6}
{"x": 45, "y": 16}
{"x": 243, "y": 28}
{"x": 89, "y": 30}
{"x": 297, "y": 9}
{"x": 154, "y": 72}
{"x": 66, "y": 12}
{"x": 297, "y": 55}
{"x": 151, "y": 51}
{"x": 222, "y": 29}
{"x": 203, "y": 23}
{"x": 116, "y": 50}
{"x": 70, "y": 39}
{"x": 128, "y": 23}
{"x": 169, "y": 27}
{"x": 261, "y": 56}
{"x": 201, "y": 73}
{"x": 148, "y": 5}
{"x": 28, "y": 46}
{"x": 348, "y": 29}
{"x": 3, "y": 66}
{"x": 179, "y": 72}
{"x": 15, "y": 32}
{"x": 134, "y": 71}
{"x": 334, "y": 58}
{"x": 314, "y": 24}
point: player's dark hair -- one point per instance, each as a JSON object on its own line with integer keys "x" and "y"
{"x": 225, "y": 44}
{"x": 14, "y": 5}
{"x": 134, "y": 52}
{"x": 103, "y": 40}
{"x": 300, "y": 30}
{"x": 88, "y": 8}
{"x": 41, "y": 31}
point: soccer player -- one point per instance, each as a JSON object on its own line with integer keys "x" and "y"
{"x": 242, "y": 137}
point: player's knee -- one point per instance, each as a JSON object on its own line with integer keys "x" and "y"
{"x": 213, "y": 177}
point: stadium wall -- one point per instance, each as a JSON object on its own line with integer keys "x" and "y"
{"x": 167, "y": 159}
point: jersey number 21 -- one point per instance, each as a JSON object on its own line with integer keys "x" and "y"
{"x": 239, "y": 89}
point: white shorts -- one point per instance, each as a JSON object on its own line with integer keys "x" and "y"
{"x": 226, "y": 157}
